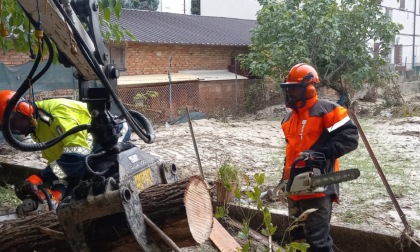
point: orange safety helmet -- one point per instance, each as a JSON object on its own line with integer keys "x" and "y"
{"x": 22, "y": 114}
{"x": 301, "y": 77}
{"x": 23, "y": 107}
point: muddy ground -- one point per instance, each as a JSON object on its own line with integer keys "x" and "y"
{"x": 256, "y": 144}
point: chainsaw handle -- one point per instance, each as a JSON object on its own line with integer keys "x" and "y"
{"x": 292, "y": 172}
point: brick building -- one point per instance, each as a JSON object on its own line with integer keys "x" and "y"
{"x": 187, "y": 60}
{"x": 194, "y": 56}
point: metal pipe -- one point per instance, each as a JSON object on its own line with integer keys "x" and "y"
{"x": 170, "y": 88}
{"x": 162, "y": 235}
{"x": 195, "y": 144}
{"x": 381, "y": 174}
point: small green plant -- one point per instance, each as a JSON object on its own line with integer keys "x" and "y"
{"x": 227, "y": 180}
{"x": 228, "y": 173}
{"x": 267, "y": 228}
{"x": 143, "y": 97}
{"x": 299, "y": 222}
{"x": 254, "y": 195}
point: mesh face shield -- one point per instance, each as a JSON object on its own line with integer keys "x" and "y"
{"x": 295, "y": 92}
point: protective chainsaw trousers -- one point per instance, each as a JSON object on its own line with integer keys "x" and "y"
{"x": 316, "y": 227}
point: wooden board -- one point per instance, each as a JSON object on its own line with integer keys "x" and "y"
{"x": 222, "y": 239}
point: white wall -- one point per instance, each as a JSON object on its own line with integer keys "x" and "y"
{"x": 247, "y": 9}
{"x": 405, "y": 17}
{"x": 242, "y": 9}
{"x": 175, "y": 6}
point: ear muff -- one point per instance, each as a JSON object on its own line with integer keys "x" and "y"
{"x": 310, "y": 91}
{"x": 24, "y": 108}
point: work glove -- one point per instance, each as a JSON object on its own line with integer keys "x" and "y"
{"x": 279, "y": 192}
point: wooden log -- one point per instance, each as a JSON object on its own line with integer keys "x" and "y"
{"x": 182, "y": 210}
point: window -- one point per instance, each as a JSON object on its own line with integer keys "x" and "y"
{"x": 388, "y": 12}
{"x": 398, "y": 54}
{"x": 376, "y": 49}
{"x": 117, "y": 56}
{"x": 402, "y": 4}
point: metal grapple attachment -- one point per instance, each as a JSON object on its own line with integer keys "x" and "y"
{"x": 115, "y": 197}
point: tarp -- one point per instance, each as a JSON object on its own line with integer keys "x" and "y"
{"x": 193, "y": 116}
{"x": 56, "y": 77}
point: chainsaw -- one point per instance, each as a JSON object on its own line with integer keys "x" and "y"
{"x": 35, "y": 200}
{"x": 310, "y": 178}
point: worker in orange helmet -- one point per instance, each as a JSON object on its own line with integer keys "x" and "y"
{"x": 314, "y": 125}
{"x": 43, "y": 121}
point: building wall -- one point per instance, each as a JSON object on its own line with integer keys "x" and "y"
{"x": 154, "y": 59}
{"x": 216, "y": 98}
{"x": 410, "y": 34}
{"x": 242, "y": 9}
{"x": 13, "y": 58}
{"x": 175, "y": 6}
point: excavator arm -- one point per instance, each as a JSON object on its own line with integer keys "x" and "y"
{"x": 119, "y": 170}
{"x": 54, "y": 25}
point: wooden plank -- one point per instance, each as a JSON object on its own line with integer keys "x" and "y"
{"x": 222, "y": 239}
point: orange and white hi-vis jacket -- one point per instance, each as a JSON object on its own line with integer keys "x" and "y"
{"x": 322, "y": 126}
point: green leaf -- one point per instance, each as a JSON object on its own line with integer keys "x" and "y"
{"x": 117, "y": 10}
{"x": 302, "y": 246}
{"x": 257, "y": 192}
{"x": 237, "y": 193}
{"x": 220, "y": 212}
{"x": 242, "y": 235}
{"x": 250, "y": 195}
{"x": 259, "y": 178}
{"x": 267, "y": 217}
{"x": 107, "y": 13}
{"x": 246, "y": 247}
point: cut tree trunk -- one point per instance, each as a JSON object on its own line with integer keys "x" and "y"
{"x": 182, "y": 210}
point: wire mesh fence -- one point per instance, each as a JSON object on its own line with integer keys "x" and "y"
{"x": 167, "y": 101}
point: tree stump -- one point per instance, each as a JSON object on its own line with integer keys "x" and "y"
{"x": 182, "y": 210}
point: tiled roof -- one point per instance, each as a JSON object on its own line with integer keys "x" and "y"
{"x": 170, "y": 28}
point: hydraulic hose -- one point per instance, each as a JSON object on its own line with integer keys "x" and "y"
{"x": 91, "y": 156}
{"x": 147, "y": 137}
{"x": 144, "y": 122}
{"x": 15, "y": 99}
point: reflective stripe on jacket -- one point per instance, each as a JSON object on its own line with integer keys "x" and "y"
{"x": 322, "y": 126}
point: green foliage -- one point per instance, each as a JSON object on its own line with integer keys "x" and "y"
{"x": 22, "y": 37}
{"x": 228, "y": 173}
{"x": 254, "y": 195}
{"x": 8, "y": 199}
{"x": 255, "y": 97}
{"x": 146, "y": 96}
{"x": 406, "y": 110}
{"x": 333, "y": 37}
{"x": 300, "y": 221}
{"x": 151, "y": 5}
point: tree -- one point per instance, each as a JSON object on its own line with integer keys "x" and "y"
{"x": 151, "y": 5}
{"x": 335, "y": 38}
{"x": 21, "y": 32}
